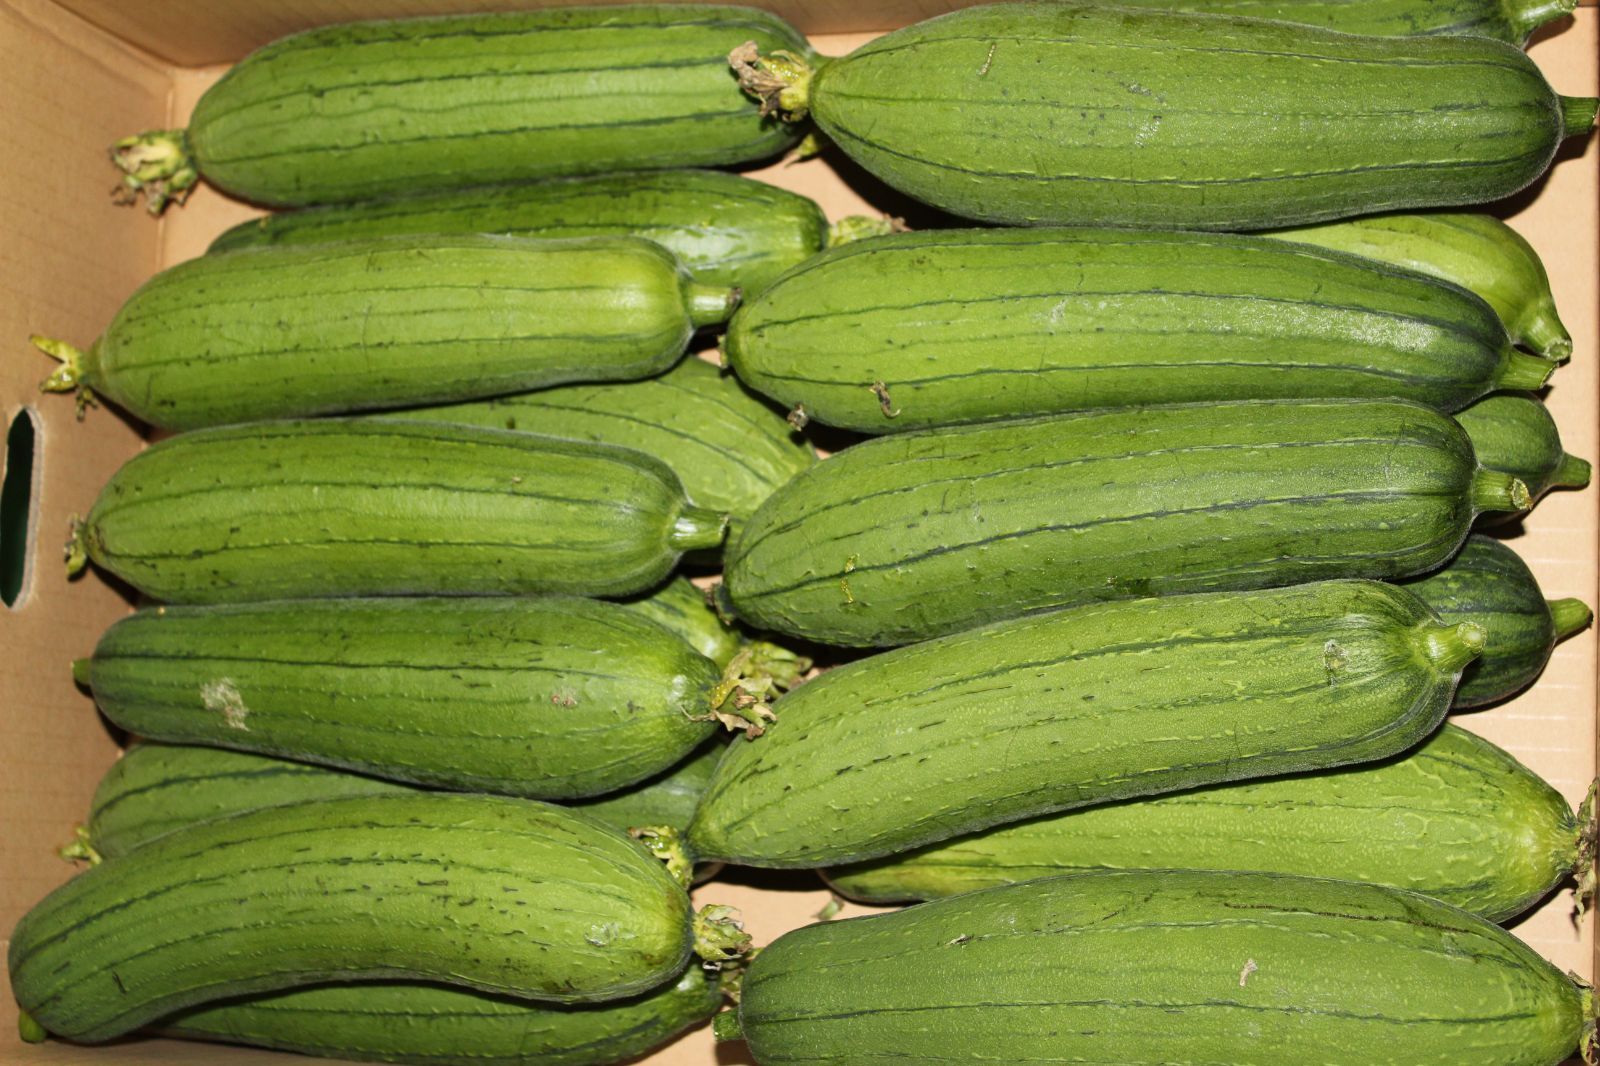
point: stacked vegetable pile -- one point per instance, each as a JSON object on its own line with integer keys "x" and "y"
{"x": 1160, "y": 558}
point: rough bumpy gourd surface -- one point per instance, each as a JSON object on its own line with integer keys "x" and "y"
{"x": 369, "y": 109}
{"x": 1506, "y": 20}
{"x": 1476, "y": 251}
{"x": 547, "y": 697}
{"x": 385, "y": 322}
{"x": 326, "y": 508}
{"x": 1034, "y": 113}
{"x": 1081, "y": 706}
{"x": 728, "y": 447}
{"x": 1152, "y": 968}
{"x": 432, "y": 1025}
{"x": 1457, "y": 819}
{"x": 725, "y": 229}
{"x": 1489, "y": 584}
{"x": 489, "y": 892}
{"x": 920, "y": 534}
{"x": 928, "y": 329}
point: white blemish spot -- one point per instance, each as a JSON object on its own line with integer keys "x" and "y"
{"x": 1250, "y": 967}
{"x": 223, "y": 698}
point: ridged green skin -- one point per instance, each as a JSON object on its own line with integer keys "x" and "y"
{"x": 1154, "y": 968}
{"x": 1491, "y": 585}
{"x": 920, "y": 534}
{"x": 668, "y": 799}
{"x": 156, "y": 788}
{"x": 1476, "y": 251}
{"x": 1516, "y": 434}
{"x": 385, "y": 322}
{"x": 729, "y": 448}
{"x": 1457, "y": 819}
{"x": 1080, "y": 706}
{"x": 681, "y": 607}
{"x": 546, "y": 697}
{"x": 1070, "y": 113}
{"x": 371, "y": 109}
{"x": 488, "y": 892}
{"x": 434, "y": 1025}
{"x": 1506, "y": 20}
{"x": 974, "y": 325}
{"x": 354, "y": 507}
{"x": 725, "y": 229}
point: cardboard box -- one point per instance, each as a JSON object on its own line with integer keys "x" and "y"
{"x": 80, "y": 73}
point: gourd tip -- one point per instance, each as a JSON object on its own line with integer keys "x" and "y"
{"x": 28, "y": 1029}
{"x": 1526, "y": 373}
{"x": 80, "y": 850}
{"x": 725, "y": 1027}
{"x": 719, "y": 935}
{"x": 781, "y": 81}
{"x": 69, "y": 376}
{"x": 157, "y": 163}
{"x": 1578, "y": 115}
{"x": 1569, "y": 616}
{"x": 1572, "y": 473}
{"x": 1495, "y": 490}
{"x": 860, "y": 227}
{"x": 666, "y": 844}
{"x": 77, "y": 549}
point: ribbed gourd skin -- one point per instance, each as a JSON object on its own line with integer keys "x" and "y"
{"x": 920, "y": 534}
{"x": 975, "y": 325}
{"x": 728, "y": 447}
{"x": 1506, "y": 20}
{"x": 341, "y": 507}
{"x": 156, "y": 788}
{"x": 725, "y": 229}
{"x": 435, "y": 1025}
{"x": 1490, "y": 584}
{"x": 1072, "y": 113}
{"x": 371, "y": 109}
{"x": 1154, "y": 968}
{"x": 681, "y": 607}
{"x": 1517, "y": 434}
{"x": 1079, "y": 706}
{"x": 667, "y": 799}
{"x": 488, "y": 892}
{"x": 1476, "y": 251}
{"x": 1457, "y": 819}
{"x": 386, "y": 322}
{"x": 545, "y": 697}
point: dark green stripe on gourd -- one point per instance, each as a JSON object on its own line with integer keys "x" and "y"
{"x": 1073, "y": 113}
{"x": 1151, "y": 968}
{"x": 352, "y": 507}
{"x": 546, "y": 697}
{"x": 725, "y": 229}
{"x": 1490, "y": 585}
{"x": 1476, "y": 251}
{"x": 1081, "y": 706}
{"x": 385, "y": 322}
{"x": 919, "y": 534}
{"x": 668, "y": 799}
{"x": 155, "y": 788}
{"x": 935, "y": 328}
{"x": 1517, "y": 435}
{"x": 1512, "y": 21}
{"x": 1457, "y": 819}
{"x": 488, "y": 892}
{"x": 729, "y": 448}
{"x": 435, "y": 1025}
{"x": 380, "y": 108}
{"x": 681, "y": 607}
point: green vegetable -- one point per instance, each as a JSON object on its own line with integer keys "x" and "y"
{"x": 486, "y": 892}
{"x": 371, "y": 109}
{"x": 1516, "y": 435}
{"x": 1148, "y": 968}
{"x": 725, "y": 229}
{"x": 1475, "y": 251}
{"x": 1081, "y": 706}
{"x": 1457, "y": 819}
{"x": 1074, "y": 113}
{"x": 354, "y": 507}
{"x": 434, "y": 1025}
{"x": 1490, "y": 585}
{"x": 941, "y": 327}
{"x": 384, "y": 322}
{"x": 728, "y": 448}
{"x": 1512, "y": 21}
{"x": 547, "y": 697}
{"x": 920, "y": 534}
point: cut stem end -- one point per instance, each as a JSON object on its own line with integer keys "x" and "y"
{"x": 1451, "y": 648}
{"x": 710, "y": 305}
{"x": 1578, "y": 115}
{"x": 1525, "y": 373}
{"x": 1495, "y": 490}
{"x": 1544, "y": 332}
{"x": 698, "y": 528}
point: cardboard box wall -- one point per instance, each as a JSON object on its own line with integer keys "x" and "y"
{"x": 77, "y": 74}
